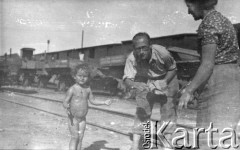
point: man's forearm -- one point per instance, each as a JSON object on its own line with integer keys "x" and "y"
{"x": 170, "y": 75}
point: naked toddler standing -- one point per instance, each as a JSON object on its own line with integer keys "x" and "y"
{"x": 76, "y": 103}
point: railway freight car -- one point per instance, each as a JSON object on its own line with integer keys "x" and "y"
{"x": 2, "y": 71}
{"x": 55, "y": 67}
{"x": 183, "y": 47}
{"x": 45, "y": 70}
{"x": 9, "y": 67}
{"x": 15, "y": 69}
{"x": 106, "y": 61}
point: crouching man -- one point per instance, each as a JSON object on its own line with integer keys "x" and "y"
{"x": 151, "y": 71}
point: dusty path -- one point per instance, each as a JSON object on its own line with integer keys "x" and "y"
{"x": 25, "y": 128}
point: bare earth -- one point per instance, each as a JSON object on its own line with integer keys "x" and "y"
{"x": 25, "y": 128}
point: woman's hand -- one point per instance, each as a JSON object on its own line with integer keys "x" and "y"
{"x": 185, "y": 99}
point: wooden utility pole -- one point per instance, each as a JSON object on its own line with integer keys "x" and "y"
{"x": 48, "y": 42}
{"x": 10, "y": 52}
{"x": 82, "y": 38}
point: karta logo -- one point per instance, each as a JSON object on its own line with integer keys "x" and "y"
{"x": 181, "y": 135}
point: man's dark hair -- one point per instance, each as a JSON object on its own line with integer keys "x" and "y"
{"x": 204, "y": 4}
{"x": 140, "y": 35}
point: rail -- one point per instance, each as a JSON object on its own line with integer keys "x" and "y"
{"x": 131, "y": 116}
{"x": 56, "y": 114}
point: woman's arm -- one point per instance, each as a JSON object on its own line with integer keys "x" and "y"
{"x": 203, "y": 74}
{"x": 206, "y": 68}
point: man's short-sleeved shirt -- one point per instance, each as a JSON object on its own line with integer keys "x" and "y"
{"x": 217, "y": 29}
{"x": 160, "y": 63}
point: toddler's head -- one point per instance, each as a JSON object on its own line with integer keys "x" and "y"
{"x": 81, "y": 73}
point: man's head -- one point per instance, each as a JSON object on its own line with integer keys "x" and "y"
{"x": 141, "y": 46}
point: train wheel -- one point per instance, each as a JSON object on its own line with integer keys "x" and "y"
{"x": 42, "y": 82}
{"x": 26, "y": 82}
{"x": 62, "y": 86}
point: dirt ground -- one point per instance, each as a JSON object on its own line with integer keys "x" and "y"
{"x": 26, "y": 128}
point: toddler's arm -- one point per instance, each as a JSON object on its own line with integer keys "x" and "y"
{"x": 67, "y": 99}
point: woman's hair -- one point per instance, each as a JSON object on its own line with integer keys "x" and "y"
{"x": 83, "y": 67}
{"x": 204, "y": 4}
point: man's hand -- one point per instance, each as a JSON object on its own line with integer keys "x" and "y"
{"x": 185, "y": 99}
{"x": 158, "y": 87}
{"x": 136, "y": 85}
{"x": 140, "y": 86}
{"x": 162, "y": 84}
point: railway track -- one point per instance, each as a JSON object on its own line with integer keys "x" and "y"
{"x": 94, "y": 124}
{"x": 122, "y": 132}
{"x": 64, "y": 116}
{"x": 182, "y": 122}
{"x": 111, "y": 129}
{"x": 90, "y": 107}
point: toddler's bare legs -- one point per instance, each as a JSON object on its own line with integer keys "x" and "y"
{"x": 77, "y": 133}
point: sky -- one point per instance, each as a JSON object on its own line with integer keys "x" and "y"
{"x": 30, "y": 23}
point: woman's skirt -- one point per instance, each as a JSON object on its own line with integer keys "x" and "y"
{"x": 219, "y": 108}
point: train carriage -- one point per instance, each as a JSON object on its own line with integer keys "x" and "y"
{"x": 106, "y": 62}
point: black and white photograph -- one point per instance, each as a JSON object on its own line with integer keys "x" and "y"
{"x": 119, "y": 74}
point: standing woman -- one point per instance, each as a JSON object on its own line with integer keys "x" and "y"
{"x": 217, "y": 80}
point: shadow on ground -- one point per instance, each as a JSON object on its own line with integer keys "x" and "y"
{"x": 98, "y": 145}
